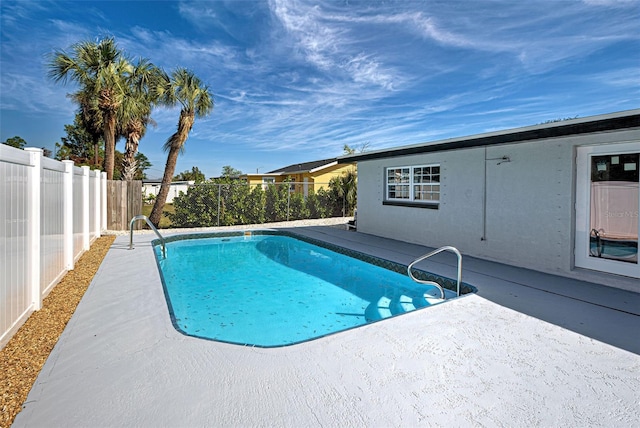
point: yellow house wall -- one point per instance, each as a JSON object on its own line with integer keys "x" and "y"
{"x": 254, "y": 179}
{"x": 317, "y": 180}
{"x": 321, "y": 178}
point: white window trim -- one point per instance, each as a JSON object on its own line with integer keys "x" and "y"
{"x": 411, "y": 200}
{"x": 266, "y": 181}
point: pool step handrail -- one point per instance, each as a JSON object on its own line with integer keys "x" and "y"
{"x": 433, "y": 253}
{"x": 145, "y": 218}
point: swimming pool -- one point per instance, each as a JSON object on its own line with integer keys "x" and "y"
{"x": 272, "y": 289}
{"x": 620, "y": 250}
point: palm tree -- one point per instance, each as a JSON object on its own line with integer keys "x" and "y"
{"x": 346, "y": 187}
{"x": 135, "y": 113}
{"x": 184, "y": 88}
{"x": 101, "y": 70}
{"x": 90, "y": 119}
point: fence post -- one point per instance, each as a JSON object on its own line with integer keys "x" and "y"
{"x": 97, "y": 203}
{"x": 103, "y": 203}
{"x": 34, "y": 184}
{"x": 67, "y": 227}
{"x": 85, "y": 208}
{"x": 288, "y": 200}
{"x": 219, "y": 193}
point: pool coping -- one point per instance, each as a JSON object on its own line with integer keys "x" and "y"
{"x": 511, "y": 354}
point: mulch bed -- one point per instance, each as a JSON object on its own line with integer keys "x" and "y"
{"x": 24, "y": 356}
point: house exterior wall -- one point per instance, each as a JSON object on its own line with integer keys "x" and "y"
{"x": 321, "y": 178}
{"x": 254, "y": 180}
{"x": 530, "y": 216}
{"x": 174, "y": 190}
{"x": 316, "y": 180}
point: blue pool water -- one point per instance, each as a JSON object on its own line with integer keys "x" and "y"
{"x": 625, "y": 251}
{"x": 271, "y": 290}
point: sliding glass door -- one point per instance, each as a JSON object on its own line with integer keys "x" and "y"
{"x": 607, "y": 205}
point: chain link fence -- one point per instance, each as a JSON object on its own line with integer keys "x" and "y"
{"x": 232, "y": 203}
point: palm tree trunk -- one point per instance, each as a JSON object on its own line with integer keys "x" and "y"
{"x": 109, "y": 143}
{"x": 175, "y": 143}
{"x": 129, "y": 163}
{"x": 161, "y": 197}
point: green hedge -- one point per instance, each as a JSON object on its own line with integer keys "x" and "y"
{"x": 226, "y": 202}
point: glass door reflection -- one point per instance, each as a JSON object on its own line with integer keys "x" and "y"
{"x": 614, "y": 207}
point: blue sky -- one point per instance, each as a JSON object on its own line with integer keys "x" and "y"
{"x": 294, "y": 81}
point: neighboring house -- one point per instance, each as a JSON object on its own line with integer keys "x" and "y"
{"x": 560, "y": 197}
{"x": 304, "y": 176}
{"x": 152, "y": 187}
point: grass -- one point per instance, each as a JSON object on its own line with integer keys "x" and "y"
{"x": 165, "y": 223}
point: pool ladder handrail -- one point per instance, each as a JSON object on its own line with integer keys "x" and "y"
{"x": 433, "y": 253}
{"x": 596, "y": 233}
{"x": 145, "y": 218}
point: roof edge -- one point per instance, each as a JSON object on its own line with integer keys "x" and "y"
{"x": 318, "y": 168}
{"x": 601, "y": 123}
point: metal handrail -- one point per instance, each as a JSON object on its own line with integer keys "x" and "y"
{"x": 596, "y": 233}
{"x": 434, "y": 252}
{"x": 145, "y": 218}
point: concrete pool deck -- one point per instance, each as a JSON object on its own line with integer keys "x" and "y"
{"x": 528, "y": 349}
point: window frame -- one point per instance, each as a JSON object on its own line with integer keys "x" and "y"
{"x": 409, "y": 180}
{"x": 266, "y": 181}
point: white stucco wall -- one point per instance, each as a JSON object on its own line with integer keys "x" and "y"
{"x": 174, "y": 189}
{"x": 530, "y": 217}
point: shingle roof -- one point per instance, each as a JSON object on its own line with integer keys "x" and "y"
{"x": 302, "y": 167}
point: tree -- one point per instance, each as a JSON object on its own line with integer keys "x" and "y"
{"x": 16, "y": 142}
{"x": 348, "y": 150}
{"x": 89, "y": 120}
{"x": 102, "y": 71}
{"x": 185, "y": 88}
{"x": 346, "y": 188}
{"x": 194, "y": 175}
{"x": 352, "y": 150}
{"x": 318, "y": 204}
{"x": 135, "y": 114}
{"x": 143, "y": 164}
{"x": 141, "y": 161}
{"x": 276, "y": 203}
{"x": 225, "y": 202}
{"x": 228, "y": 171}
{"x": 79, "y": 144}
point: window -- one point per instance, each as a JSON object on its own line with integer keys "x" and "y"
{"x": 413, "y": 185}
{"x": 398, "y": 184}
{"x": 266, "y": 181}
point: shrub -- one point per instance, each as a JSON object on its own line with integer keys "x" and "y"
{"x": 196, "y": 208}
{"x": 227, "y": 202}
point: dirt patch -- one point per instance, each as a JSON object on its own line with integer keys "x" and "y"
{"x": 24, "y": 355}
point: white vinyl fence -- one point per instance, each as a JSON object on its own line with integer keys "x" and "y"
{"x": 50, "y": 212}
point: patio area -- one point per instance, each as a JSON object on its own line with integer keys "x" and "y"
{"x": 529, "y": 349}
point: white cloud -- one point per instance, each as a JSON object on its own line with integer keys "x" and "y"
{"x": 292, "y": 75}
{"x": 330, "y": 45}
{"x": 610, "y": 3}
{"x": 166, "y": 50}
{"x": 625, "y": 78}
{"x": 18, "y": 94}
{"x": 198, "y": 13}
